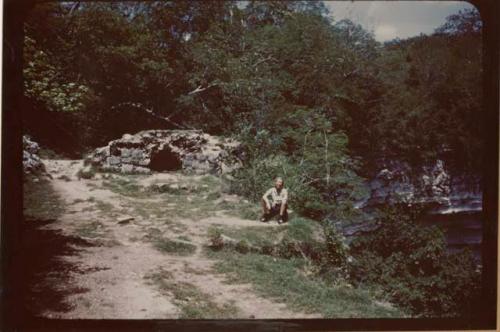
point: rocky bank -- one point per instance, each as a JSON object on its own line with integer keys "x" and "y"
{"x": 453, "y": 200}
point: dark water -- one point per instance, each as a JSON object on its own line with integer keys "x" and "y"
{"x": 462, "y": 229}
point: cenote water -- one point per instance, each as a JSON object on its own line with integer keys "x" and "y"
{"x": 462, "y": 229}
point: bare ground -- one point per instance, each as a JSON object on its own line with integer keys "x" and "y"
{"x": 122, "y": 258}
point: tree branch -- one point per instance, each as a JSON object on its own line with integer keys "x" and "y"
{"x": 326, "y": 160}
{"x": 143, "y": 108}
{"x": 263, "y": 60}
{"x": 74, "y": 7}
{"x": 347, "y": 75}
{"x": 304, "y": 150}
{"x": 201, "y": 89}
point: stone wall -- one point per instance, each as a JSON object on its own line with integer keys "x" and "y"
{"x": 32, "y": 164}
{"x": 167, "y": 150}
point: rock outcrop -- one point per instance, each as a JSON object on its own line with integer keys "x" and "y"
{"x": 435, "y": 185}
{"x": 451, "y": 198}
{"x": 32, "y": 164}
{"x": 167, "y": 150}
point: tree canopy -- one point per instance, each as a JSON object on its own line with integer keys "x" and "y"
{"x": 282, "y": 69}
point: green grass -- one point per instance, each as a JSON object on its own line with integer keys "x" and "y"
{"x": 302, "y": 229}
{"x": 189, "y": 199}
{"x": 210, "y": 181}
{"x": 126, "y": 186}
{"x": 104, "y": 206}
{"x": 184, "y": 238}
{"x": 280, "y": 279}
{"x": 193, "y": 303}
{"x": 174, "y": 247}
{"x": 89, "y": 229}
{"x": 40, "y": 201}
{"x": 257, "y": 236}
{"x": 297, "y": 229}
{"x": 242, "y": 210}
{"x": 164, "y": 189}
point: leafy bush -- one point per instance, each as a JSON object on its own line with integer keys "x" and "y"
{"x": 215, "y": 236}
{"x": 336, "y": 250}
{"x": 243, "y": 247}
{"x": 313, "y": 161}
{"x": 411, "y": 263}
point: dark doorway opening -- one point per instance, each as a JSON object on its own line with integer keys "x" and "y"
{"x": 165, "y": 160}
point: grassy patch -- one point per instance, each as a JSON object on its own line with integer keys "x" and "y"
{"x": 257, "y": 236}
{"x": 104, "y": 207}
{"x": 174, "y": 247}
{"x": 40, "y": 201}
{"x": 126, "y": 186}
{"x": 210, "y": 182}
{"x": 187, "y": 198}
{"x": 90, "y": 229}
{"x": 212, "y": 196}
{"x": 193, "y": 303}
{"x": 182, "y": 205}
{"x": 184, "y": 238}
{"x": 280, "y": 279}
{"x": 242, "y": 210}
{"x": 298, "y": 229}
{"x": 302, "y": 229}
{"x": 164, "y": 189}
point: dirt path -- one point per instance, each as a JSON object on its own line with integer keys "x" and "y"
{"x": 122, "y": 264}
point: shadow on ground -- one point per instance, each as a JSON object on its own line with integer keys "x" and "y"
{"x": 44, "y": 275}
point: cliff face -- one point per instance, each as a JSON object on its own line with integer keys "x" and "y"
{"x": 453, "y": 200}
{"x": 437, "y": 185}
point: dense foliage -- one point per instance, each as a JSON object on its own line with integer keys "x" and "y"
{"x": 411, "y": 263}
{"x": 260, "y": 67}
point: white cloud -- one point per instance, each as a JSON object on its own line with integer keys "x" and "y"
{"x": 391, "y": 19}
{"x": 385, "y": 32}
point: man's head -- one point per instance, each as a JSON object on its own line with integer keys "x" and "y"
{"x": 278, "y": 183}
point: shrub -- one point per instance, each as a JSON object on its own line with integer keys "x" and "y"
{"x": 216, "y": 241}
{"x": 87, "y": 173}
{"x": 335, "y": 247}
{"x": 411, "y": 263}
{"x": 314, "y": 162}
{"x": 243, "y": 247}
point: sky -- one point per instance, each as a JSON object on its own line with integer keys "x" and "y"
{"x": 396, "y": 19}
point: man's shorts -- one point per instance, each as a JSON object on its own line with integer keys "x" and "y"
{"x": 275, "y": 210}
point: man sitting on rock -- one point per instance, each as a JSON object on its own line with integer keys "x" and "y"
{"x": 278, "y": 203}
